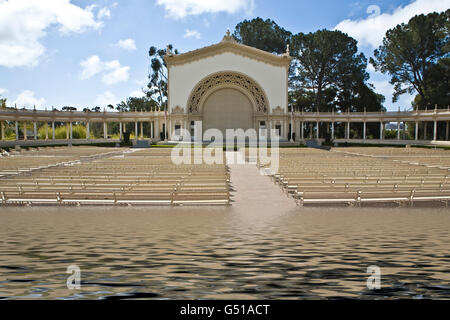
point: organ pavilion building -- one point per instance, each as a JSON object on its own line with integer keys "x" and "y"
{"x": 228, "y": 86}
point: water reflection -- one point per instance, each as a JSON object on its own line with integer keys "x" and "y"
{"x": 224, "y": 253}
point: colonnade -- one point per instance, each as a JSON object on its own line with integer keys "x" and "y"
{"x": 427, "y": 124}
{"x": 315, "y": 133}
{"x": 23, "y": 125}
{"x": 297, "y": 127}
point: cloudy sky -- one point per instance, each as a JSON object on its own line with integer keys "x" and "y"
{"x": 85, "y": 53}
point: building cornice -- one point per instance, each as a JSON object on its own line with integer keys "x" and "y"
{"x": 61, "y": 116}
{"x": 228, "y": 44}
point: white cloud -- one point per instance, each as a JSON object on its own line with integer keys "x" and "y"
{"x": 371, "y": 31}
{"x": 113, "y": 72}
{"x": 3, "y": 91}
{"x": 370, "y": 68}
{"x": 373, "y": 11}
{"x": 128, "y": 44}
{"x": 178, "y": 9}
{"x": 27, "y": 99}
{"x": 192, "y": 34}
{"x": 91, "y": 66}
{"x": 137, "y": 94}
{"x": 104, "y": 13}
{"x": 23, "y": 23}
{"x": 106, "y": 98}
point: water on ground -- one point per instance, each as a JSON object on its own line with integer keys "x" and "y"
{"x": 235, "y": 252}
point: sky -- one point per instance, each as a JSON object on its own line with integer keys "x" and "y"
{"x": 86, "y": 53}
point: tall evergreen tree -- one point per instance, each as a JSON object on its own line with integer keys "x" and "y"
{"x": 263, "y": 34}
{"x": 411, "y": 54}
{"x": 329, "y": 71}
{"x": 158, "y": 76}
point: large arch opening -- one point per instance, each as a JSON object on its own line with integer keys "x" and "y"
{"x": 227, "y": 108}
{"x": 223, "y": 80}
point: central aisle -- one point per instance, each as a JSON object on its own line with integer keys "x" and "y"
{"x": 253, "y": 190}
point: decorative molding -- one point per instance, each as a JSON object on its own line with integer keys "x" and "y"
{"x": 278, "y": 110}
{"x": 233, "y": 79}
{"x": 228, "y": 44}
{"x": 177, "y": 110}
{"x": 228, "y": 37}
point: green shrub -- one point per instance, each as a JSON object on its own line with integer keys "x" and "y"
{"x": 78, "y": 132}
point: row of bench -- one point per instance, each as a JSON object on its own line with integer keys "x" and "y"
{"x": 316, "y": 177}
{"x": 129, "y": 178}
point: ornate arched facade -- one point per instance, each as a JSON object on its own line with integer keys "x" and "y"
{"x": 234, "y": 72}
{"x": 228, "y": 79}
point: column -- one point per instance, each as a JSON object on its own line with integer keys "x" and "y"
{"x": 35, "y": 130}
{"x": 105, "y": 130}
{"x": 3, "y": 130}
{"x": 185, "y": 127}
{"x": 364, "y": 131}
{"x": 136, "y": 133}
{"x": 425, "y": 129}
{"x": 142, "y": 130}
{"x": 17, "y": 131}
{"x": 46, "y": 130}
{"x": 25, "y": 131}
{"x": 348, "y": 131}
{"x": 381, "y": 131}
{"x": 67, "y": 131}
{"x": 310, "y": 130}
{"x": 398, "y": 130}
{"x": 332, "y": 130}
{"x": 302, "y": 131}
{"x": 292, "y": 129}
{"x": 404, "y": 131}
{"x": 120, "y": 131}
{"x": 269, "y": 135}
{"x": 165, "y": 128}
{"x": 88, "y": 130}
{"x": 169, "y": 130}
{"x": 152, "y": 131}
{"x": 157, "y": 132}
{"x": 286, "y": 128}
{"x": 417, "y": 131}
{"x": 435, "y": 131}
{"x": 53, "y": 131}
{"x": 71, "y": 131}
{"x": 447, "y": 130}
{"x": 318, "y": 130}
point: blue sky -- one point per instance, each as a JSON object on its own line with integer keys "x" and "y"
{"x": 85, "y": 53}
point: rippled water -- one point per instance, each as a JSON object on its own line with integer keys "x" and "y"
{"x": 223, "y": 253}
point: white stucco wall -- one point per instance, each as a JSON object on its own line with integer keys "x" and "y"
{"x": 184, "y": 78}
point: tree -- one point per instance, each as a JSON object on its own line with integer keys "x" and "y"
{"x": 158, "y": 77}
{"x": 328, "y": 70}
{"x": 262, "y": 34}
{"x": 437, "y": 82}
{"x": 410, "y": 52}
{"x": 133, "y": 104}
{"x": 366, "y": 99}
